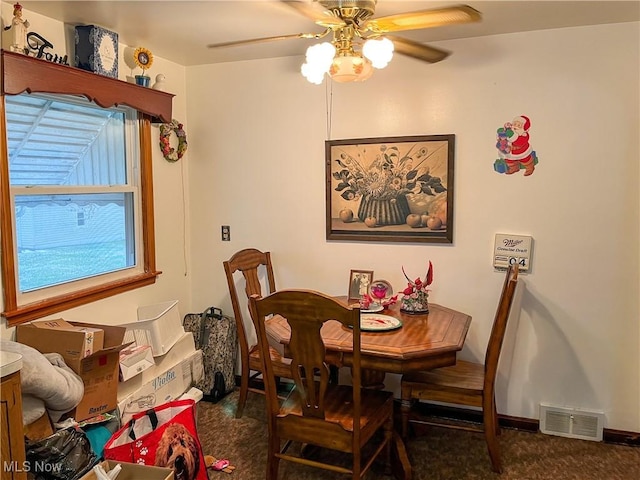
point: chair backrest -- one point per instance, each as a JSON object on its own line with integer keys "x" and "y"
{"x": 499, "y": 327}
{"x": 249, "y": 262}
{"x": 306, "y": 312}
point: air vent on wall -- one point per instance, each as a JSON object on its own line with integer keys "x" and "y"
{"x": 571, "y": 422}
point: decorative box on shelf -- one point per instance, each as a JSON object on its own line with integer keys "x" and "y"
{"x": 96, "y": 50}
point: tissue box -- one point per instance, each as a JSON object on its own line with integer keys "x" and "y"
{"x": 135, "y": 360}
{"x": 96, "y": 50}
{"x": 183, "y": 349}
{"x": 164, "y": 387}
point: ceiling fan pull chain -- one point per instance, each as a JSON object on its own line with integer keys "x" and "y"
{"x": 328, "y": 99}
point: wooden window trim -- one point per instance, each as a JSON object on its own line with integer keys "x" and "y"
{"x": 22, "y": 73}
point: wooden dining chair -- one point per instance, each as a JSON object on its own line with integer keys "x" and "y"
{"x": 251, "y": 263}
{"x": 317, "y": 412}
{"x": 465, "y": 383}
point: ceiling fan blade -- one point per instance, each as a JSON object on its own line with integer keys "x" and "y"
{"x": 424, "y": 19}
{"x": 316, "y": 12}
{"x": 417, "y": 50}
{"x": 251, "y": 41}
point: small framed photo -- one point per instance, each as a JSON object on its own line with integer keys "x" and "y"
{"x": 359, "y": 282}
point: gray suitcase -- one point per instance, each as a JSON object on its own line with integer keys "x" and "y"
{"x": 216, "y": 335}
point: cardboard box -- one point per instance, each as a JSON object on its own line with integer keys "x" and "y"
{"x": 167, "y": 386}
{"x": 40, "y": 428}
{"x": 183, "y": 348}
{"x": 75, "y": 341}
{"x": 132, "y": 471}
{"x": 99, "y": 371}
{"x": 135, "y": 360}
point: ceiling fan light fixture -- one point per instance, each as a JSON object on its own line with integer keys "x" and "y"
{"x": 350, "y": 68}
{"x": 379, "y": 51}
{"x": 321, "y": 53}
{"x": 312, "y": 74}
{"x": 319, "y": 58}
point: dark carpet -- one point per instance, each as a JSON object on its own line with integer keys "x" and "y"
{"x": 435, "y": 454}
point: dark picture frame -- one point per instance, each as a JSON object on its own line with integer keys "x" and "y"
{"x": 390, "y": 189}
{"x": 359, "y": 282}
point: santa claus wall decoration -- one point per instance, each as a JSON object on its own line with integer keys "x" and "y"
{"x": 514, "y": 148}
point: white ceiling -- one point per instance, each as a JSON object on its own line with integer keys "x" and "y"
{"x": 180, "y": 31}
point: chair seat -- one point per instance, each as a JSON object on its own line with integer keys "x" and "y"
{"x": 463, "y": 375}
{"x": 281, "y": 365}
{"x": 339, "y": 406}
{"x": 377, "y": 408}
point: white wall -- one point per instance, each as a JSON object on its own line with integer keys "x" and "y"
{"x": 256, "y": 133}
{"x": 256, "y": 156}
{"x": 171, "y": 224}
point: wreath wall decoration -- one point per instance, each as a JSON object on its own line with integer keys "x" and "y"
{"x": 172, "y": 154}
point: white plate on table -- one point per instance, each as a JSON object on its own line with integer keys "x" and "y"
{"x": 373, "y": 308}
{"x": 375, "y": 322}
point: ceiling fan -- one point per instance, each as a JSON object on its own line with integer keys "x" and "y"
{"x": 359, "y": 41}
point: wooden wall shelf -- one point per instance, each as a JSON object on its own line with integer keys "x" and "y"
{"x": 21, "y": 73}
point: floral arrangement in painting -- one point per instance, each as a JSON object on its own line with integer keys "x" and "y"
{"x": 390, "y": 174}
{"x": 382, "y": 183}
{"x": 416, "y": 294}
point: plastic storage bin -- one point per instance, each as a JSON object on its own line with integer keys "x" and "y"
{"x": 158, "y": 325}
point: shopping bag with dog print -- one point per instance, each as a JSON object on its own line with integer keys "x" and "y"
{"x": 164, "y": 436}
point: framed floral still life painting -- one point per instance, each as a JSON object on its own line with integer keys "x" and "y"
{"x": 396, "y": 189}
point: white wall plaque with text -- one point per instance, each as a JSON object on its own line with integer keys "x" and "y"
{"x": 510, "y": 249}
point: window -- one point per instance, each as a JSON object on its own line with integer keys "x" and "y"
{"x": 126, "y": 186}
{"x": 69, "y": 165}
{"x": 76, "y": 203}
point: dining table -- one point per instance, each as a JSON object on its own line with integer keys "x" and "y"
{"x": 410, "y": 342}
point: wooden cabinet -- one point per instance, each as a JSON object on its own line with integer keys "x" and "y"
{"x": 13, "y": 456}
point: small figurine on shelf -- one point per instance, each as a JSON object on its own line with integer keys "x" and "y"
{"x": 144, "y": 59}
{"x": 416, "y": 295}
{"x": 19, "y": 26}
{"x": 161, "y": 83}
